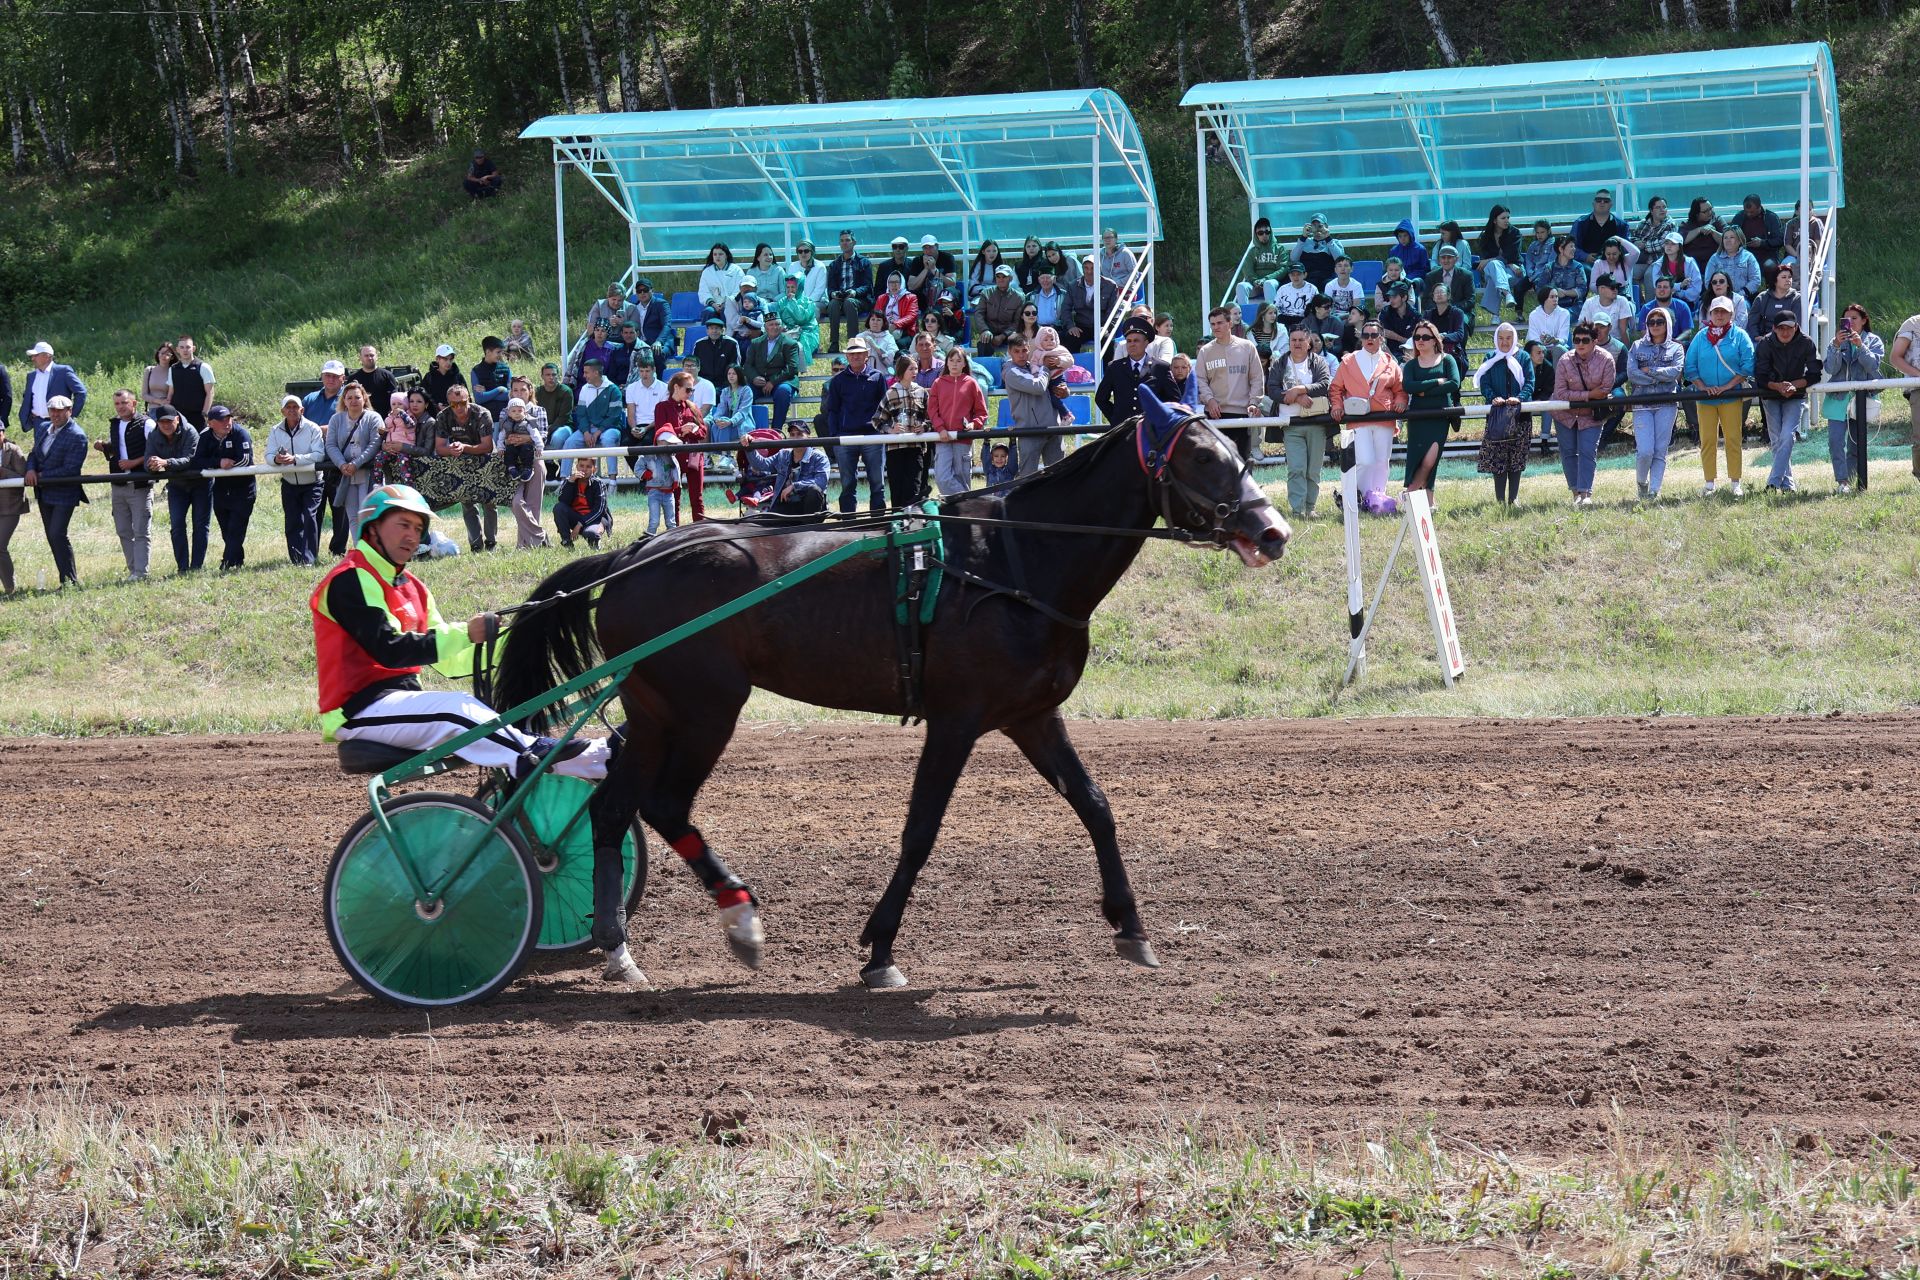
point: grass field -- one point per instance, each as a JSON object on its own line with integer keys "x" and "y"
{"x": 1800, "y": 605}
{"x": 87, "y": 1195}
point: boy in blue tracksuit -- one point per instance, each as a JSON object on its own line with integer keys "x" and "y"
{"x": 1407, "y": 248}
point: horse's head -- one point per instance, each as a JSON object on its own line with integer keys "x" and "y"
{"x": 1201, "y": 485}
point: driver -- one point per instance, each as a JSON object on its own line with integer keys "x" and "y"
{"x": 375, "y": 625}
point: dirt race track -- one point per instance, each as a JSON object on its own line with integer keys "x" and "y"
{"x": 1505, "y": 927}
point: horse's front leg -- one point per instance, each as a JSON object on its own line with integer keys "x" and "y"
{"x": 942, "y": 759}
{"x": 1043, "y": 740}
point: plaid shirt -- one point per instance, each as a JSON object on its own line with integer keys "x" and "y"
{"x": 902, "y": 409}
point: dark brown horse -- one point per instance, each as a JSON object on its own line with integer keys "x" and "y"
{"x": 993, "y": 661}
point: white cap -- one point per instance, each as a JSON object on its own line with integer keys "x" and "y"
{"x": 928, "y": 242}
{"x": 1720, "y": 304}
{"x": 1087, "y": 259}
{"x": 899, "y": 242}
{"x": 40, "y": 349}
{"x": 59, "y": 402}
{"x": 1003, "y": 270}
{"x": 334, "y": 366}
{"x": 516, "y": 403}
{"x": 443, "y": 349}
{"x": 287, "y": 400}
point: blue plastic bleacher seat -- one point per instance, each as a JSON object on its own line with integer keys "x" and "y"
{"x": 685, "y": 308}
{"x": 1249, "y": 312}
{"x": 1005, "y": 420}
{"x": 990, "y": 365}
{"x": 1086, "y": 360}
{"x": 762, "y": 416}
{"x": 1368, "y": 272}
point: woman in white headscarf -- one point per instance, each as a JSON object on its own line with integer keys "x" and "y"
{"x": 1505, "y": 379}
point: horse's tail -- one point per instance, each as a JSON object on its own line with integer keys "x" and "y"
{"x": 550, "y": 645}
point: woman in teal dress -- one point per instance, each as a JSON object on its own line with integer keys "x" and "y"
{"x": 1432, "y": 381}
{"x": 801, "y": 317}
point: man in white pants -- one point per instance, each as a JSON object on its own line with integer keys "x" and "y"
{"x": 375, "y": 625}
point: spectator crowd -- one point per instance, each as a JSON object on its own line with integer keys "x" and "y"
{"x": 917, "y": 344}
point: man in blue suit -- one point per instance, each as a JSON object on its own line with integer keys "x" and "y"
{"x": 45, "y": 382}
{"x": 60, "y": 450}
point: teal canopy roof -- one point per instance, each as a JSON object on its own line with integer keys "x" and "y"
{"x": 1369, "y": 150}
{"x": 960, "y": 169}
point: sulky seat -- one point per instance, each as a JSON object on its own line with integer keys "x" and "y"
{"x": 357, "y": 756}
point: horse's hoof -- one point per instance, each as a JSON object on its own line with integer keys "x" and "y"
{"x": 1137, "y": 951}
{"x": 745, "y": 937}
{"x": 622, "y": 970}
{"x": 883, "y": 977}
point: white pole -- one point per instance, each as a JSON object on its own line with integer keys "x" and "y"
{"x": 1373, "y": 610}
{"x": 1206, "y": 260}
{"x": 560, "y": 242}
{"x": 1099, "y": 353}
{"x": 1356, "y": 578}
{"x": 1806, "y": 211}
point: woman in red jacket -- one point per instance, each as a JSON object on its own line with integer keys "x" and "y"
{"x": 955, "y": 404}
{"x": 678, "y": 414}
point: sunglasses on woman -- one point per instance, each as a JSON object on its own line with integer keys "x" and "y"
{"x": 1029, "y": 312}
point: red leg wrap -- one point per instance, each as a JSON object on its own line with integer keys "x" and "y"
{"x": 731, "y": 898}
{"x": 690, "y": 846}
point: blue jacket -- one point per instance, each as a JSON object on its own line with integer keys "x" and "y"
{"x": 608, "y": 412}
{"x": 1413, "y": 254}
{"x": 811, "y": 473}
{"x": 61, "y": 381}
{"x": 59, "y": 453}
{"x": 1681, "y": 312}
{"x": 1653, "y": 368}
{"x": 851, "y": 400}
{"x": 653, "y": 320}
{"x": 1742, "y": 269}
{"x": 734, "y": 407}
{"x": 1731, "y": 361}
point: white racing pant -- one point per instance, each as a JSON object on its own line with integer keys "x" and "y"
{"x": 419, "y": 720}
{"x": 1372, "y": 457}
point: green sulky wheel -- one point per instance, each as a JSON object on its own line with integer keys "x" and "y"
{"x": 461, "y": 949}
{"x": 555, "y": 825}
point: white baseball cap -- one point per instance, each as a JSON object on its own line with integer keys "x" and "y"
{"x": 443, "y": 349}
{"x": 40, "y": 349}
{"x": 290, "y": 399}
{"x": 1720, "y": 304}
{"x": 928, "y": 242}
{"x": 334, "y": 366}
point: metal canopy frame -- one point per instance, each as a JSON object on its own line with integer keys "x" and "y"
{"x": 1449, "y": 143}
{"x": 1057, "y": 165}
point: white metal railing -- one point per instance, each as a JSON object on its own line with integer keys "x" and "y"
{"x": 1123, "y": 299}
{"x": 928, "y": 437}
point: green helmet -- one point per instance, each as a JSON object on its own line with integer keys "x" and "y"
{"x": 391, "y": 497}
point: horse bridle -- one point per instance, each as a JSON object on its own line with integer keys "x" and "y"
{"x": 1207, "y": 520}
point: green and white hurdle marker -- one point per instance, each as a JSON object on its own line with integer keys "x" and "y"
{"x": 1416, "y": 515}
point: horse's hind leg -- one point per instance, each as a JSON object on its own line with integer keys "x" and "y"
{"x": 611, "y": 811}
{"x": 941, "y": 761}
{"x": 1044, "y": 742}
